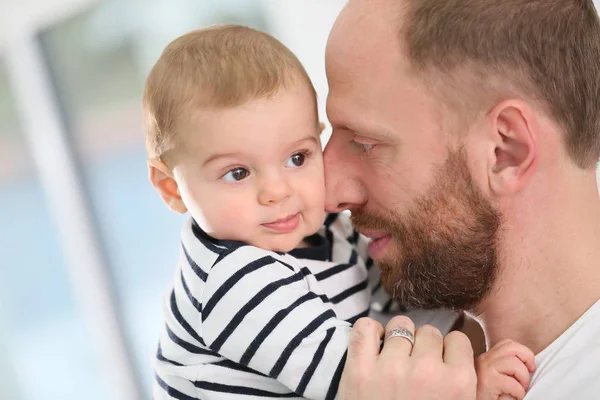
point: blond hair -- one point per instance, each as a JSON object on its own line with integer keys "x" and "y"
{"x": 217, "y": 67}
{"x": 484, "y": 50}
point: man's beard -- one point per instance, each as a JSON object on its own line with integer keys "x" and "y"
{"x": 447, "y": 243}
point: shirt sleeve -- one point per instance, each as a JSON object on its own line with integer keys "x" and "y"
{"x": 268, "y": 315}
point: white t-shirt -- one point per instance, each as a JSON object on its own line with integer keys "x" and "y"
{"x": 570, "y": 367}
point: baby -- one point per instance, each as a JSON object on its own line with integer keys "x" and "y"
{"x": 268, "y": 286}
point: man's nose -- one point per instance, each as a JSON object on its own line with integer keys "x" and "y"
{"x": 274, "y": 189}
{"x": 343, "y": 181}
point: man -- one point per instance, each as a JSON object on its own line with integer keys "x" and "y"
{"x": 465, "y": 139}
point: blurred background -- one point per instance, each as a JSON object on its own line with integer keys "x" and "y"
{"x": 87, "y": 248}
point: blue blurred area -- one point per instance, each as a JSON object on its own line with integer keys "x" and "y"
{"x": 97, "y": 58}
{"x": 47, "y": 337}
{"x": 97, "y": 54}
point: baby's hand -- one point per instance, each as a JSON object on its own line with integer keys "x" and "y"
{"x": 503, "y": 371}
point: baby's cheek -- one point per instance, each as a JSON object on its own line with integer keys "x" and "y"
{"x": 236, "y": 219}
{"x": 316, "y": 199}
{"x": 221, "y": 217}
{"x": 316, "y": 212}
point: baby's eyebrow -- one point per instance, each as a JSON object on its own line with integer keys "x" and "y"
{"x": 216, "y": 157}
{"x": 307, "y": 138}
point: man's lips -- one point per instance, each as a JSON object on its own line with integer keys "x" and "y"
{"x": 284, "y": 225}
{"x": 378, "y": 243}
{"x": 371, "y": 234}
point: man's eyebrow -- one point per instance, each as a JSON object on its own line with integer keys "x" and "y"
{"x": 345, "y": 126}
{"x": 340, "y": 126}
{"x": 350, "y": 128}
{"x": 373, "y": 132}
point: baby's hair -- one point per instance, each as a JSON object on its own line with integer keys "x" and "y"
{"x": 213, "y": 68}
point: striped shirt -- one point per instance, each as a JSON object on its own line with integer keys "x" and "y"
{"x": 244, "y": 321}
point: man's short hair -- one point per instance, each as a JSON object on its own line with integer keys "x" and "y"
{"x": 546, "y": 51}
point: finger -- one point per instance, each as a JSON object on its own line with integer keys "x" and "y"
{"x": 513, "y": 367}
{"x": 398, "y": 346}
{"x": 509, "y": 386}
{"x": 429, "y": 342}
{"x": 363, "y": 346}
{"x": 363, "y": 350}
{"x": 523, "y": 353}
{"x": 458, "y": 350}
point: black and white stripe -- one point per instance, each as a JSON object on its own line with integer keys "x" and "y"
{"x": 243, "y": 321}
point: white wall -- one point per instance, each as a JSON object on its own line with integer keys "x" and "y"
{"x": 21, "y": 17}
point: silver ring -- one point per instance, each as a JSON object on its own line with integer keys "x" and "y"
{"x": 401, "y": 332}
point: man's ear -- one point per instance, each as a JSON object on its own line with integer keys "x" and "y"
{"x": 161, "y": 177}
{"x": 514, "y": 134}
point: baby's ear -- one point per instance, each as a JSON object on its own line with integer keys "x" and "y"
{"x": 161, "y": 177}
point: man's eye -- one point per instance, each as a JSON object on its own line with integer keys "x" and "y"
{"x": 236, "y": 175}
{"x": 361, "y": 146}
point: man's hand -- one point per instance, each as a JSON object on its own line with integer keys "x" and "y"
{"x": 436, "y": 368}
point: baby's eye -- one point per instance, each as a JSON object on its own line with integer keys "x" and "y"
{"x": 236, "y": 175}
{"x": 296, "y": 160}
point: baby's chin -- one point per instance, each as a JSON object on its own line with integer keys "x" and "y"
{"x": 282, "y": 247}
{"x": 280, "y": 244}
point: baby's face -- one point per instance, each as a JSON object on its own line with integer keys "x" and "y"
{"x": 254, "y": 173}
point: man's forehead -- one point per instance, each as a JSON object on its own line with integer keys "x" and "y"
{"x": 364, "y": 16}
{"x": 363, "y": 54}
{"x": 364, "y": 29}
